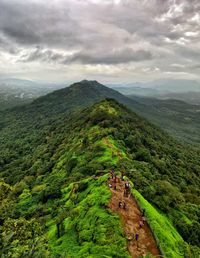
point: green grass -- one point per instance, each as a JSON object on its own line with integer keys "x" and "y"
{"x": 168, "y": 239}
{"x": 111, "y": 151}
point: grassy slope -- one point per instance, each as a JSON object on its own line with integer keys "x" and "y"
{"x": 90, "y": 230}
{"x": 168, "y": 239}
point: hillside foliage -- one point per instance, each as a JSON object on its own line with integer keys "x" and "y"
{"x": 52, "y": 189}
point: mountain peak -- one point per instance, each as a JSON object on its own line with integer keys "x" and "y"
{"x": 79, "y": 95}
{"x": 89, "y": 81}
{"x": 86, "y": 83}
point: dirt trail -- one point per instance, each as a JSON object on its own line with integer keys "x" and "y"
{"x": 130, "y": 218}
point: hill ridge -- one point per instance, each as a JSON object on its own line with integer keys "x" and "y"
{"x": 51, "y": 183}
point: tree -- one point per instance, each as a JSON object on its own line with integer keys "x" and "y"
{"x": 23, "y": 238}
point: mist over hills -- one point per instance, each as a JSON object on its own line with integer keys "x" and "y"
{"x": 177, "y": 117}
{"x": 15, "y": 92}
{"x": 162, "y": 89}
{"x": 50, "y": 152}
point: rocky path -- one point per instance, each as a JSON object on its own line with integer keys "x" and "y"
{"x": 131, "y": 216}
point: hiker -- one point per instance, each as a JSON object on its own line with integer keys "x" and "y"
{"x": 115, "y": 179}
{"x": 140, "y": 224}
{"x": 126, "y": 192}
{"x": 143, "y": 213}
{"x": 136, "y": 236}
{"x": 115, "y": 188}
{"x": 120, "y": 204}
{"x": 127, "y": 186}
{"x": 143, "y": 219}
{"x": 111, "y": 175}
{"x": 124, "y": 206}
{"x": 122, "y": 176}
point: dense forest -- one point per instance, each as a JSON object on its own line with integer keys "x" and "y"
{"x": 54, "y": 162}
{"x": 178, "y": 118}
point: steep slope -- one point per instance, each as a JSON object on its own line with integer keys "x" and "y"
{"x": 55, "y": 184}
{"x": 78, "y": 95}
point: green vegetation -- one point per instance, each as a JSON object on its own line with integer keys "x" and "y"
{"x": 168, "y": 239}
{"x": 178, "y": 118}
{"x": 46, "y": 152}
{"x": 87, "y": 228}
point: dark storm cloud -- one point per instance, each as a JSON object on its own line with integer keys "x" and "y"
{"x": 36, "y": 22}
{"x": 44, "y": 55}
{"x": 114, "y": 57}
{"x": 87, "y": 57}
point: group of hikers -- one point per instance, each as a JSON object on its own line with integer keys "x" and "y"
{"x": 127, "y": 193}
{"x": 127, "y": 188}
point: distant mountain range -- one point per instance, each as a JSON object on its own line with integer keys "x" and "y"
{"x": 162, "y": 89}
{"x": 14, "y": 92}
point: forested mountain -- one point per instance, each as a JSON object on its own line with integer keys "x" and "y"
{"x": 177, "y": 117}
{"x": 190, "y": 97}
{"x": 54, "y": 162}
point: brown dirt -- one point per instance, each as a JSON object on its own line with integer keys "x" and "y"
{"x": 131, "y": 216}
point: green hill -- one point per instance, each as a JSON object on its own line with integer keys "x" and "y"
{"x": 177, "y": 117}
{"x": 54, "y": 169}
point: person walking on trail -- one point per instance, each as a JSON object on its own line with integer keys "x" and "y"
{"x": 127, "y": 185}
{"x": 120, "y": 204}
{"x": 127, "y": 189}
{"x": 143, "y": 219}
{"x": 140, "y": 224}
{"x": 124, "y": 206}
{"x": 111, "y": 175}
{"x": 136, "y": 238}
{"x": 115, "y": 178}
{"x": 122, "y": 176}
{"x": 126, "y": 193}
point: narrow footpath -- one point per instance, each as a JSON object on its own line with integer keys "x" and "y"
{"x": 131, "y": 217}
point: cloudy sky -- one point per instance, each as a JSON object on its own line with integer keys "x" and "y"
{"x": 107, "y": 40}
